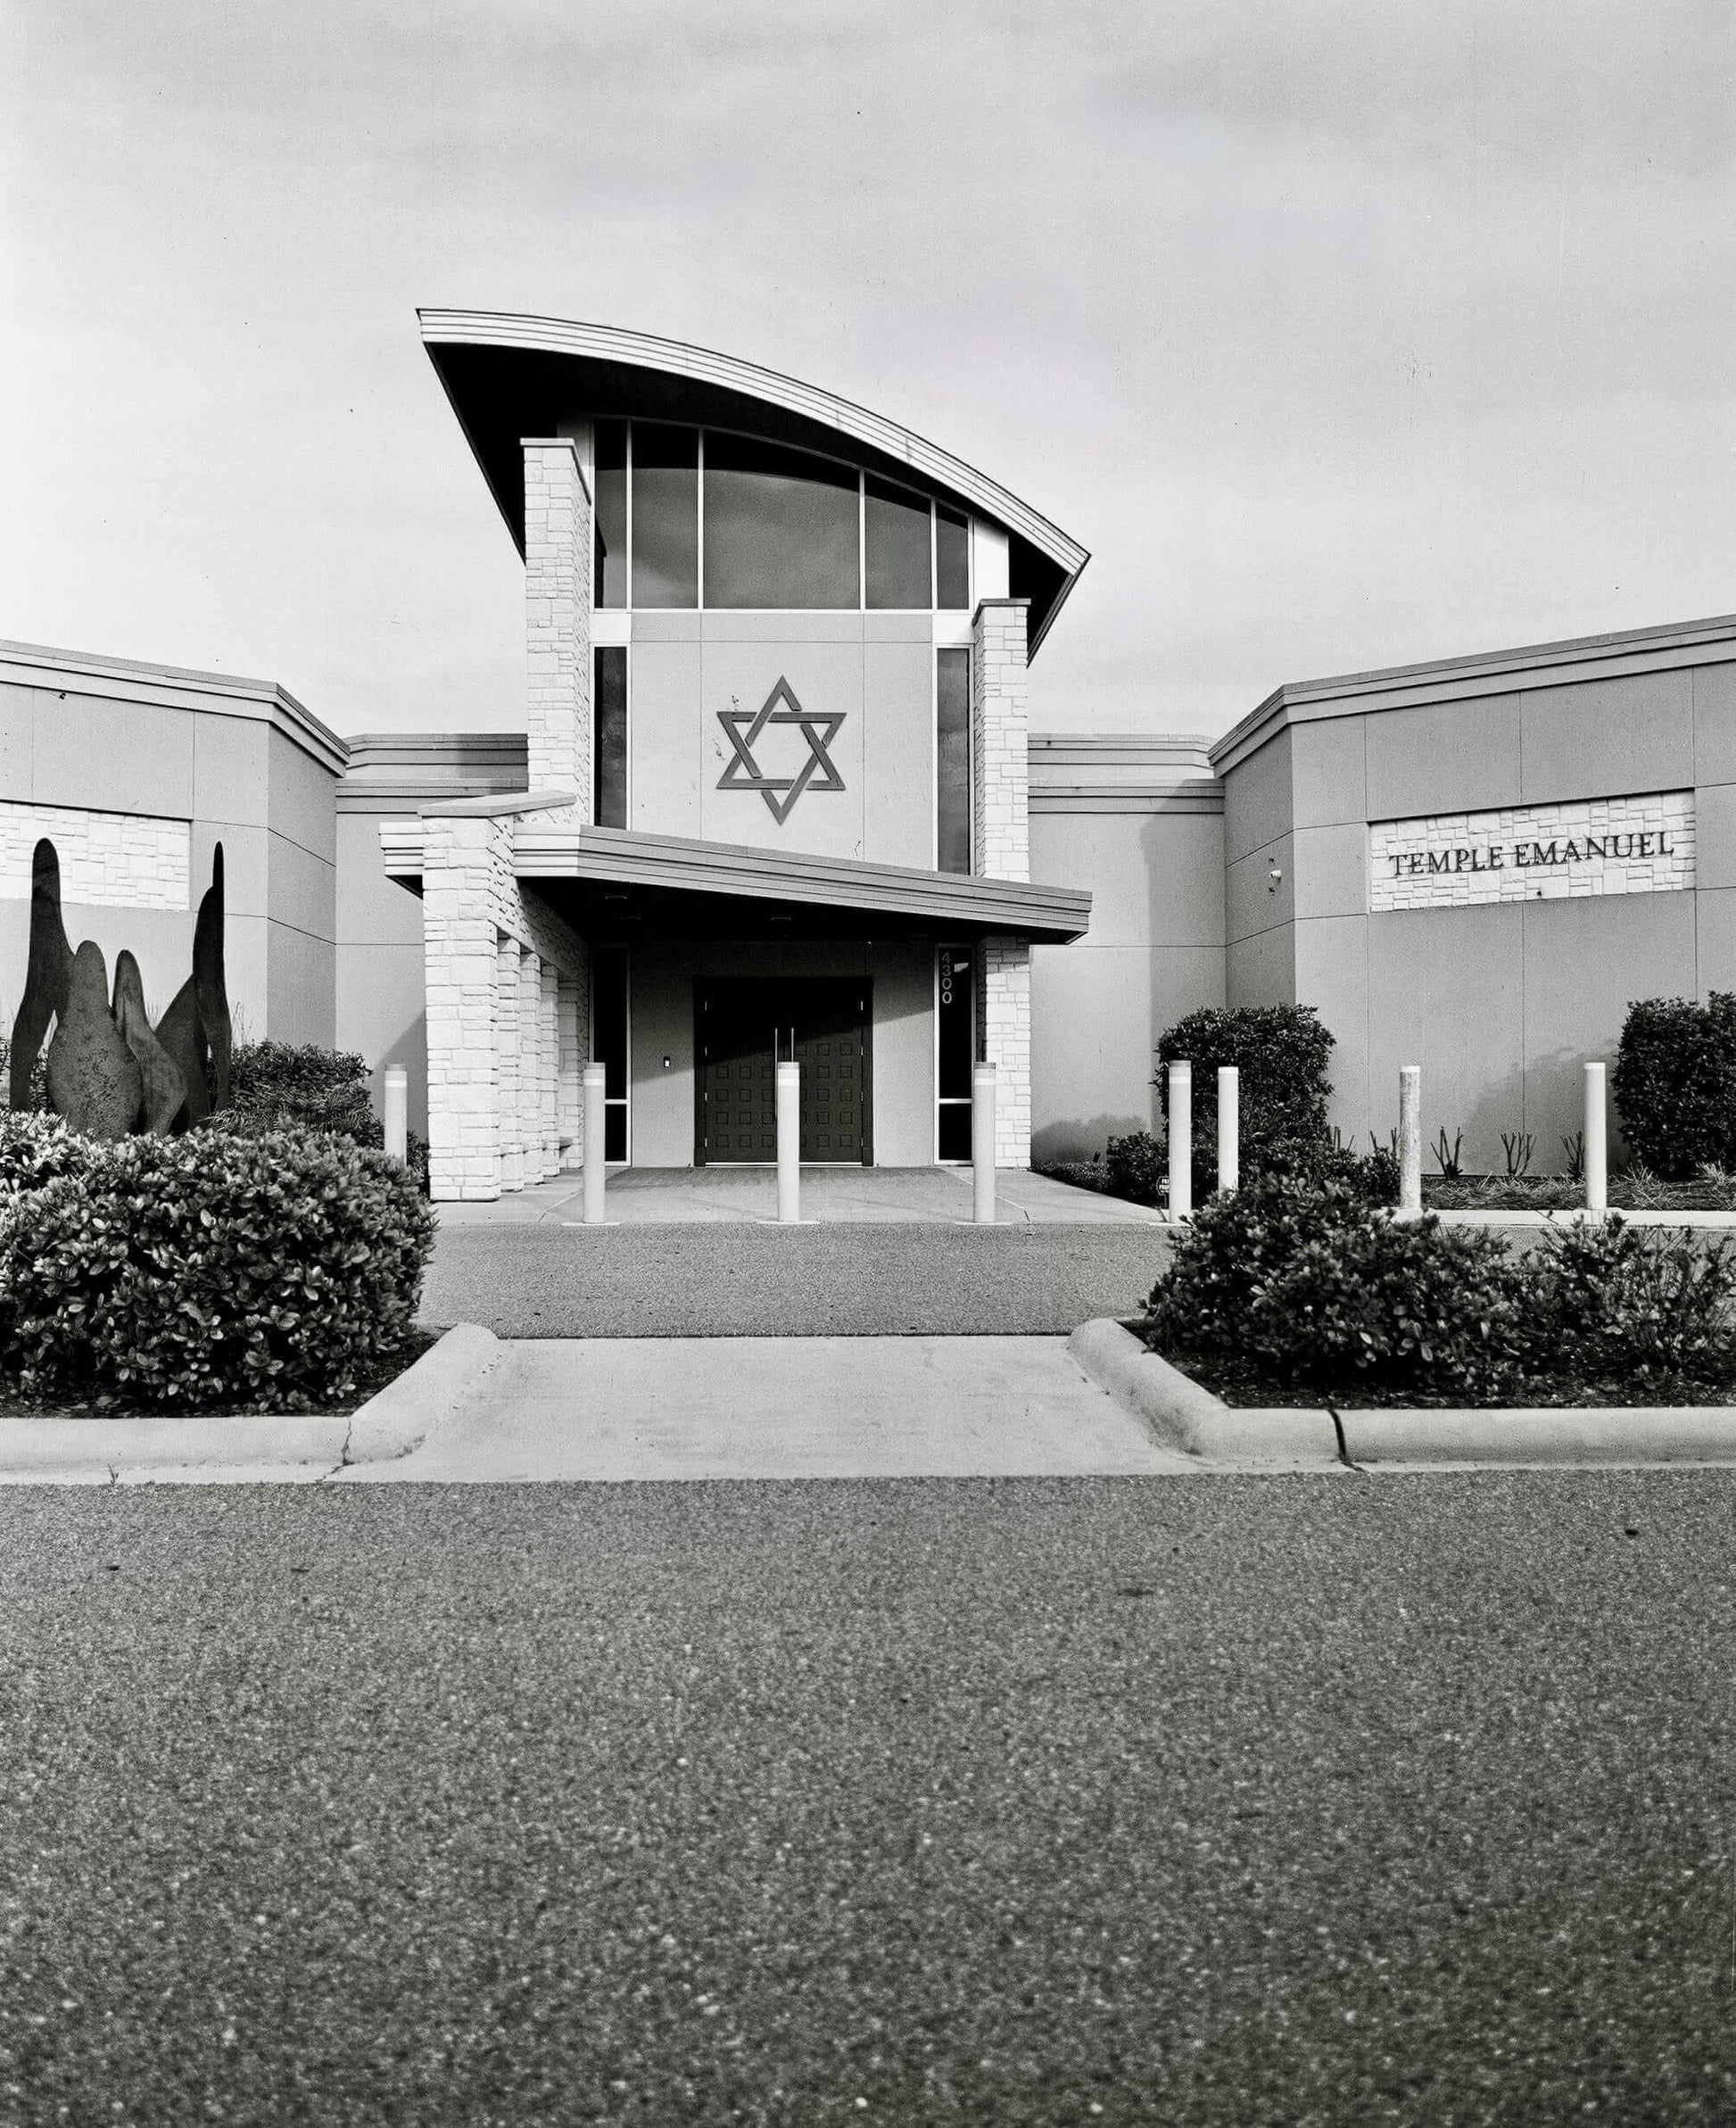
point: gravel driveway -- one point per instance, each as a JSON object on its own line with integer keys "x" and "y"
{"x": 1232, "y": 1800}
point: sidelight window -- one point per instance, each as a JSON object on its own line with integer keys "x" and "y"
{"x": 608, "y": 713}
{"x": 611, "y": 1043}
{"x": 956, "y": 1049}
{"x": 952, "y": 761}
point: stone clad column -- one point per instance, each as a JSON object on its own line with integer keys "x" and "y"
{"x": 460, "y": 867}
{"x": 1006, "y": 1044}
{"x": 574, "y": 1048}
{"x": 1000, "y": 740}
{"x": 507, "y": 1034}
{"x": 531, "y": 1063}
{"x": 548, "y": 1076}
{"x": 558, "y": 604}
{"x": 1000, "y": 761}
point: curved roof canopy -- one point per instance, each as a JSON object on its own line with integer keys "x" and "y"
{"x": 508, "y": 378}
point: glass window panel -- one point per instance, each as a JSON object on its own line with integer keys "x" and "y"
{"x": 666, "y": 515}
{"x": 954, "y": 1131}
{"x": 899, "y": 536}
{"x": 952, "y": 559}
{"x": 781, "y": 526}
{"x": 614, "y": 1131}
{"x": 952, "y": 697}
{"x": 958, "y": 1035}
{"x": 608, "y": 708}
{"x": 609, "y": 1017}
{"x": 609, "y": 492}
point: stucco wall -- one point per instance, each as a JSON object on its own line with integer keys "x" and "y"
{"x": 1501, "y": 1004}
{"x": 1139, "y": 822}
{"x": 149, "y": 756}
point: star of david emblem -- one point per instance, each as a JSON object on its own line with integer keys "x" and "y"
{"x": 743, "y": 772}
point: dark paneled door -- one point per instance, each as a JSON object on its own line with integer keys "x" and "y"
{"x": 743, "y": 1029}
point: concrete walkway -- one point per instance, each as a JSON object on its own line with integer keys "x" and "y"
{"x": 626, "y": 1408}
{"x": 655, "y": 1197}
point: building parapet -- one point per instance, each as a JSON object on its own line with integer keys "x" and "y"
{"x": 1532, "y": 666}
{"x": 174, "y": 687}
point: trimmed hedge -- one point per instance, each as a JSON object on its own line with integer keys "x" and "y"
{"x": 278, "y": 1085}
{"x": 1674, "y": 1084}
{"x": 185, "y": 1273}
{"x": 34, "y": 1149}
{"x": 1283, "y": 1054}
{"x": 275, "y": 1085}
{"x": 1313, "y": 1287}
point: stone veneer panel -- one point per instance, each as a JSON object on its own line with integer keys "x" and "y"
{"x": 1643, "y": 845}
{"x": 110, "y": 860}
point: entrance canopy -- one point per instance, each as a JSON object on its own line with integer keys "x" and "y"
{"x": 615, "y": 884}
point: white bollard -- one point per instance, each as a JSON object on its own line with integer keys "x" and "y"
{"x": 397, "y": 1112}
{"x": 982, "y": 1145}
{"x": 596, "y": 1085}
{"x": 1181, "y": 1139}
{"x": 1597, "y": 1147}
{"x": 790, "y": 1144}
{"x": 1411, "y": 1140}
{"x": 1230, "y": 1128}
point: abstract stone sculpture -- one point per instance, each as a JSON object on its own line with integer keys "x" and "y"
{"x": 164, "y": 1088}
{"x": 196, "y": 1029}
{"x": 94, "y": 1079}
{"x": 109, "y": 1070}
{"x": 49, "y": 974}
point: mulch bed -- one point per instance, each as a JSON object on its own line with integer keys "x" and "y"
{"x": 1237, "y": 1386}
{"x": 386, "y": 1368}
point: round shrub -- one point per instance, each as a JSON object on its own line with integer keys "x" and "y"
{"x": 277, "y": 1084}
{"x": 1282, "y": 1052}
{"x": 1652, "y": 1309}
{"x": 1313, "y": 1287}
{"x": 35, "y": 1148}
{"x": 1134, "y": 1168}
{"x": 1674, "y": 1084}
{"x": 185, "y": 1273}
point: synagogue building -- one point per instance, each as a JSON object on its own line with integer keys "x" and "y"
{"x": 784, "y": 793}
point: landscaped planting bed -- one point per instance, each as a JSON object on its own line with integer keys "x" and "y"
{"x": 1636, "y": 1190}
{"x": 209, "y": 1272}
{"x": 1293, "y": 1293}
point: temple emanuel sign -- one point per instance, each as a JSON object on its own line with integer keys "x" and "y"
{"x": 1639, "y": 845}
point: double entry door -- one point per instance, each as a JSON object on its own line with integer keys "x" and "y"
{"x": 744, "y": 1029}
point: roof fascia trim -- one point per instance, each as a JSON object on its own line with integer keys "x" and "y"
{"x": 646, "y": 351}
{"x": 628, "y": 857}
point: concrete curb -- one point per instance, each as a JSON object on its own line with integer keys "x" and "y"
{"x": 400, "y": 1418}
{"x": 180, "y": 1451}
{"x": 1563, "y": 1434}
{"x": 1178, "y": 1413}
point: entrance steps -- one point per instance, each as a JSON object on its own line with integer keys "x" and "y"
{"x": 835, "y": 1278}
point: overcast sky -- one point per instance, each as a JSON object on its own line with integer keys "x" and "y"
{"x": 1342, "y": 335}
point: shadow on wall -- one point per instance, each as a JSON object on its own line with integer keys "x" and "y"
{"x": 1546, "y": 1099}
{"x": 1077, "y": 1140}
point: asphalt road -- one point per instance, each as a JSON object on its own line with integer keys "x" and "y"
{"x": 1236, "y": 1802}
